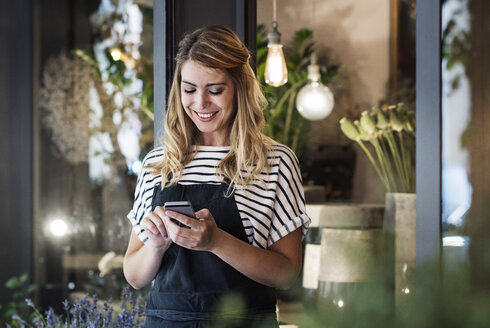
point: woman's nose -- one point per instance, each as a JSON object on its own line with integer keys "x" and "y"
{"x": 201, "y": 101}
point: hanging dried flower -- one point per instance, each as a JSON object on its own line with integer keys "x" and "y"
{"x": 64, "y": 102}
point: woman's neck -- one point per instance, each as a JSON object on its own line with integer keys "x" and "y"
{"x": 217, "y": 141}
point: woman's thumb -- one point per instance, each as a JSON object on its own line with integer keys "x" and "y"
{"x": 203, "y": 214}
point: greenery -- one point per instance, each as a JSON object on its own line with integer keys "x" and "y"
{"x": 436, "y": 299}
{"x": 455, "y": 41}
{"x": 391, "y": 132}
{"x": 17, "y": 306}
{"x": 284, "y": 123}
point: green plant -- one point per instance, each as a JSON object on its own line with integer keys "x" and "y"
{"x": 436, "y": 299}
{"x": 391, "y": 132}
{"x": 283, "y": 121}
{"x": 17, "y": 306}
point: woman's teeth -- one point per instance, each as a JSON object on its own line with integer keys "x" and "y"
{"x": 205, "y": 115}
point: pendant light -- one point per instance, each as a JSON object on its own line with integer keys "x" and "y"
{"x": 276, "y": 73}
{"x": 314, "y": 101}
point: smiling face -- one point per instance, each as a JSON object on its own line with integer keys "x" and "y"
{"x": 208, "y": 99}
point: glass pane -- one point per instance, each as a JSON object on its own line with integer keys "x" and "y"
{"x": 456, "y": 113}
{"x": 96, "y": 108}
{"x": 465, "y": 99}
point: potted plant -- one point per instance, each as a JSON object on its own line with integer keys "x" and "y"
{"x": 387, "y": 136}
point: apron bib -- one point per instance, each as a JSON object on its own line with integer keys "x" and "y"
{"x": 191, "y": 286}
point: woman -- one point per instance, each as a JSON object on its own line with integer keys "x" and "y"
{"x": 245, "y": 239}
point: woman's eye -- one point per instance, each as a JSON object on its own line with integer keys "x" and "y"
{"x": 189, "y": 90}
{"x": 216, "y": 92}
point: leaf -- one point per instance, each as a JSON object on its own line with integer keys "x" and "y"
{"x": 261, "y": 54}
{"x": 23, "y": 278}
{"x": 300, "y": 36}
{"x": 260, "y": 72}
{"x": 328, "y": 73}
{"x": 10, "y": 312}
{"x": 32, "y": 288}
{"x": 11, "y": 283}
{"x": 16, "y": 282}
{"x": 18, "y": 294}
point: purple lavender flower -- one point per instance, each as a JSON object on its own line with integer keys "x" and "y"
{"x": 66, "y": 305}
{"x": 108, "y": 316}
{"x": 18, "y": 320}
{"x": 38, "y": 322}
{"x": 140, "y": 306}
{"x": 85, "y": 312}
{"x": 29, "y": 302}
{"x": 94, "y": 303}
{"x": 97, "y": 319}
{"x": 51, "y": 318}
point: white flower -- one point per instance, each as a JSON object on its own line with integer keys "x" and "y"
{"x": 109, "y": 262}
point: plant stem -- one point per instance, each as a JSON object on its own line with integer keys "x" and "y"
{"x": 381, "y": 175}
{"x": 297, "y": 131}
{"x": 147, "y": 112}
{"x": 410, "y": 150}
{"x": 384, "y": 163}
{"x": 285, "y": 96}
{"x": 405, "y": 157}
{"x": 398, "y": 162}
{"x": 289, "y": 116}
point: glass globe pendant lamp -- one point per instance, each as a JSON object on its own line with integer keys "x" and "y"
{"x": 276, "y": 73}
{"x": 314, "y": 101}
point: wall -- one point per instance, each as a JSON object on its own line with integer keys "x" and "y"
{"x": 15, "y": 141}
{"x": 355, "y": 34}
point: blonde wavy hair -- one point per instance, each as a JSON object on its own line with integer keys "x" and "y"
{"x": 217, "y": 47}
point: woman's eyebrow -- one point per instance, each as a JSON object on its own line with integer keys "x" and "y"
{"x": 207, "y": 85}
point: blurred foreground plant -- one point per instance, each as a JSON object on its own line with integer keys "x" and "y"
{"x": 391, "y": 132}
{"x": 436, "y": 299}
{"x": 21, "y": 289}
{"x": 85, "y": 312}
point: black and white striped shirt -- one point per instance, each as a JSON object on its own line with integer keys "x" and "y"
{"x": 268, "y": 212}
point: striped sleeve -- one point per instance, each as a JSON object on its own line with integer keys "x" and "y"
{"x": 143, "y": 193}
{"x": 289, "y": 210}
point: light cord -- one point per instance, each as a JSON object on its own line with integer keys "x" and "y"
{"x": 274, "y": 9}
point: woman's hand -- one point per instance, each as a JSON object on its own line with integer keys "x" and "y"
{"x": 143, "y": 260}
{"x": 154, "y": 225}
{"x": 200, "y": 236}
{"x": 278, "y": 266}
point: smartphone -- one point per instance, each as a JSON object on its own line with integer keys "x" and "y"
{"x": 182, "y": 207}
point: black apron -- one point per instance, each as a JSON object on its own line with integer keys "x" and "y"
{"x": 192, "y": 288}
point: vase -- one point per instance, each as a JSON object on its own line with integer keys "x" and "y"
{"x": 399, "y": 225}
{"x": 341, "y": 253}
